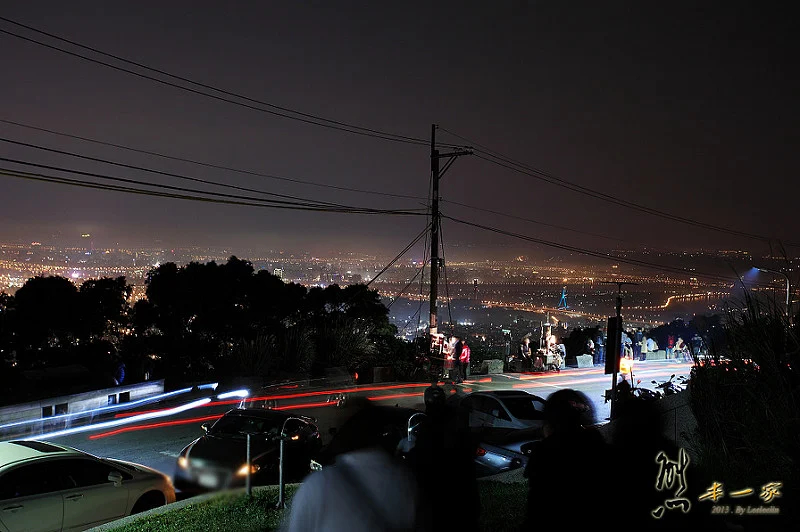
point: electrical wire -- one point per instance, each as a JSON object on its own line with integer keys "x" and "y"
{"x": 492, "y": 156}
{"x": 299, "y": 181}
{"x": 272, "y": 109}
{"x": 582, "y": 251}
{"x": 184, "y": 189}
{"x": 10, "y": 172}
{"x": 205, "y": 164}
{"x": 538, "y": 222}
{"x": 403, "y": 290}
{"x": 399, "y": 255}
{"x": 444, "y": 271}
{"x": 159, "y": 172}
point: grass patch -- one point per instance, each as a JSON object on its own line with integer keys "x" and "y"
{"x": 228, "y": 511}
{"x": 503, "y": 505}
{"x": 502, "y": 508}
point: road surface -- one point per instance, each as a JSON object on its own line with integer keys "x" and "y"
{"x": 157, "y": 442}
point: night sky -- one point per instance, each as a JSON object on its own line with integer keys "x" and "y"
{"x": 689, "y": 108}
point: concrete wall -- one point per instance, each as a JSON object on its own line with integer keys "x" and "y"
{"x": 57, "y": 413}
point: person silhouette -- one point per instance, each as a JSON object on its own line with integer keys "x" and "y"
{"x": 570, "y": 472}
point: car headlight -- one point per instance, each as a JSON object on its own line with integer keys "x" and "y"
{"x": 183, "y": 462}
{"x": 243, "y": 470}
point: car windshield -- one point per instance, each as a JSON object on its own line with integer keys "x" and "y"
{"x": 242, "y": 425}
{"x": 522, "y": 407}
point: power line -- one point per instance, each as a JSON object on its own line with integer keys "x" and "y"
{"x": 225, "y": 198}
{"x": 494, "y": 157}
{"x": 207, "y": 165}
{"x": 119, "y": 188}
{"x": 300, "y": 181}
{"x": 444, "y": 271}
{"x": 597, "y": 254}
{"x": 538, "y": 222}
{"x": 622, "y": 203}
{"x": 159, "y": 172}
{"x": 272, "y": 109}
{"x": 403, "y": 290}
{"x": 158, "y": 185}
{"x": 399, "y": 255}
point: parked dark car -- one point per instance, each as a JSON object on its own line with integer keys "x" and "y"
{"x": 390, "y": 427}
{"x": 218, "y": 459}
{"x": 502, "y": 450}
{"x": 396, "y": 429}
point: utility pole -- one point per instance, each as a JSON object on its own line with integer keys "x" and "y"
{"x": 436, "y": 263}
{"x": 434, "y": 232}
{"x": 613, "y": 346}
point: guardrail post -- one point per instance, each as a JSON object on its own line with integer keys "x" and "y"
{"x": 281, "y": 486}
{"x": 248, "y": 487}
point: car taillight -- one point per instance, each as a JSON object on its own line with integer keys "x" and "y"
{"x": 480, "y": 451}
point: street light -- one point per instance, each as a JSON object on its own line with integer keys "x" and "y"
{"x": 788, "y": 290}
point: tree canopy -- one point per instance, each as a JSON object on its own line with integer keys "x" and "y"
{"x": 198, "y": 321}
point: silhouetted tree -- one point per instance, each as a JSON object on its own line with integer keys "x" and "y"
{"x": 104, "y": 308}
{"x": 47, "y": 314}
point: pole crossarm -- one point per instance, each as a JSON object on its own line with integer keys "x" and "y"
{"x": 454, "y": 154}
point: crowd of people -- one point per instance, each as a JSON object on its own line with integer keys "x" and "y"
{"x": 371, "y": 487}
{"x": 637, "y": 343}
{"x": 549, "y": 355}
{"x": 575, "y": 476}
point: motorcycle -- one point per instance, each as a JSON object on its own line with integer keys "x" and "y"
{"x": 671, "y": 386}
{"x": 661, "y": 389}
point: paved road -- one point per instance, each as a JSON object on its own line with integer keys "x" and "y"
{"x": 157, "y": 442}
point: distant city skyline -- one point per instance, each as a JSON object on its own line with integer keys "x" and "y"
{"x": 594, "y": 126}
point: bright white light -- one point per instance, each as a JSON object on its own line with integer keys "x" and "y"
{"x": 101, "y": 409}
{"x": 75, "y": 275}
{"x": 235, "y": 393}
{"x": 123, "y": 421}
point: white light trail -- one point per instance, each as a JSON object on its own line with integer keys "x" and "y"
{"x": 235, "y": 393}
{"x": 123, "y": 421}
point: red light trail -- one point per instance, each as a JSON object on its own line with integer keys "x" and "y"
{"x": 153, "y": 426}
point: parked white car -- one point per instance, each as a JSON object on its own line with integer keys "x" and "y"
{"x": 49, "y": 487}
{"x": 509, "y": 409}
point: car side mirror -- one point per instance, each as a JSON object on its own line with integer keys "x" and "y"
{"x": 205, "y": 426}
{"x": 116, "y": 478}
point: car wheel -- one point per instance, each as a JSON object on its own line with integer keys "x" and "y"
{"x": 148, "y": 501}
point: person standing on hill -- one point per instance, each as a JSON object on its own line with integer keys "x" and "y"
{"x": 670, "y": 345}
{"x": 637, "y": 344}
{"x": 463, "y": 362}
{"x": 600, "y": 346}
{"x": 458, "y": 347}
